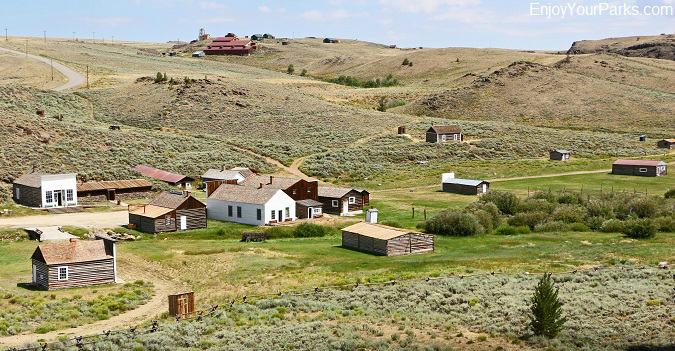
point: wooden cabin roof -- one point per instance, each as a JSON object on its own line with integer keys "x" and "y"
{"x": 445, "y": 129}
{"x": 335, "y": 192}
{"x": 309, "y": 203}
{"x": 378, "y": 231}
{"x": 221, "y": 174}
{"x": 275, "y": 182}
{"x": 244, "y": 194}
{"x": 71, "y": 252}
{"x": 114, "y": 184}
{"x": 170, "y": 199}
{"x": 150, "y": 211}
{"x": 31, "y": 179}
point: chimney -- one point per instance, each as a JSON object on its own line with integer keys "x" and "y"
{"x": 371, "y": 215}
{"x": 222, "y": 168}
{"x": 35, "y": 169}
{"x": 271, "y": 179}
{"x": 261, "y": 185}
{"x": 186, "y": 193}
{"x": 73, "y": 240}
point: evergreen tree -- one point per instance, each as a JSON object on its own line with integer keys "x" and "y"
{"x": 290, "y": 69}
{"x": 164, "y": 79}
{"x": 546, "y": 314}
{"x": 158, "y": 78}
{"x": 406, "y": 62}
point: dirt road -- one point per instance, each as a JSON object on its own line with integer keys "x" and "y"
{"x": 83, "y": 219}
{"x": 75, "y": 79}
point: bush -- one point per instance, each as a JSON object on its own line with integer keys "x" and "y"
{"x": 600, "y": 208}
{"x": 505, "y": 201}
{"x": 303, "y": 72}
{"x": 644, "y": 207}
{"x": 612, "y": 226}
{"x": 666, "y": 224}
{"x": 640, "y": 228}
{"x": 569, "y": 213}
{"x": 485, "y": 220}
{"x": 453, "y": 223}
{"x": 511, "y": 230}
{"x": 290, "y": 69}
{"x": 405, "y": 62}
{"x": 594, "y": 223}
{"x": 279, "y": 232}
{"x": 570, "y": 198}
{"x": 579, "y": 227}
{"x": 310, "y": 230}
{"x": 670, "y": 194}
{"x": 392, "y": 223}
{"x": 553, "y": 226}
{"x": 533, "y": 205}
{"x": 488, "y": 207}
{"x": 529, "y": 219}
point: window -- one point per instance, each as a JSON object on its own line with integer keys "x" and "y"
{"x": 643, "y": 170}
{"x": 317, "y": 210}
{"x": 69, "y": 194}
{"x": 229, "y": 211}
{"x": 309, "y": 190}
{"x": 48, "y": 197}
{"x": 238, "y": 211}
{"x": 273, "y": 215}
{"x": 455, "y": 136}
{"x": 259, "y": 214}
{"x": 63, "y": 273}
{"x": 352, "y": 199}
{"x": 167, "y": 220}
{"x": 288, "y": 212}
{"x": 335, "y": 203}
{"x": 444, "y": 137}
{"x": 18, "y": 193}
{"x": 295, "y": 191}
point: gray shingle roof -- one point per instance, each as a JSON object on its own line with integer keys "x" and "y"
{"x": 220, "y": 174}
{"x": 169, "y": 199}
{"x": 309, "y": 203}
{"x": 71, "y": 252}
{"x": 30, "y": 179}
{"x": 469, "y": 182}
{"x": 329, "y": 191}
{"x": 244, "y": 194}
{"x": 446, "y": 129}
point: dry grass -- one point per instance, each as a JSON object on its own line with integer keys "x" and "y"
{"x": 17, "y": 70}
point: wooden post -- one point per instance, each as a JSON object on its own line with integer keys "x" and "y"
{"x": 87, "y": 76}
{"x": 425, "y": 213}
{"x": 528, "y": 192}
{"x": 413, "y": 212}
{"x": 51, "y": 63}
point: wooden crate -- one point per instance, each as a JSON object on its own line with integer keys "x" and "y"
{"x": 182, "y": 304}
{"x": 247, "y": 237}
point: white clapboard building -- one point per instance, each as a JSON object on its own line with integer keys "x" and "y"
{"x": 250, "y": 205}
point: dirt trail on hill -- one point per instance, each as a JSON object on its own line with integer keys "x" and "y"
{"x": 295, "y": 171}
{"x": 75, "y": 79}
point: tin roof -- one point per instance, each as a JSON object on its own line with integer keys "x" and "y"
{"x": 640, "y": 163}
{"x": 669, "y": 140}
{"x": 309, "y": 203}
{"x": 114, "y": 184}
{"x": 378, "y": 231}
{"x": 561, "y": 151}
{"x": 71, "y": 252}
{"x": 221, "y": 174}
{"x": 469, "y": 182}
{"x": 445, "y": 129}
{"x": 244, "y": 194}
{"x": 160, "y": 174}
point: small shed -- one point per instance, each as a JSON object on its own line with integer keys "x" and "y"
{"x": 392, "y": 46}
{"x": 444, "y": 134}
{"x": 450, "y": 184}
{"x": 343, "y": 201}
{"x": 182, "y": 304}
{"x": 308, "y": 208}
{"x": 331, "y": 40}
{"x": 257, "y": 37}
{"x": 198, "y": 54}
{"x": 560, "y": 155}
{"x": 112, "y": 190}
{"x": 643, "y": 138}
{"x": 383, "y": 240}
{"x": 170, "y": 211}
{"x": 401, "y": 130}
{"x": 666, "y": 144}
{"x": 646, "y": 168}
{"x": 75, "y": 263}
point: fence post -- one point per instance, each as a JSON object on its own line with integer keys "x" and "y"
{"x": 413, "y": 212}
{"x": 425, "y": 213}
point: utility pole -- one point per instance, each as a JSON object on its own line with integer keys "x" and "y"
{"x": 51, "y": 63}
{"x": 87, "y": 76}
{"x": 73, "y": 36}
{"x": 45, "y": 33}
{"x": 6, "y": 35}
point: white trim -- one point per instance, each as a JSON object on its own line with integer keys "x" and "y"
{"x": 183, "y": 222}
{"x": 58, "y": 273}
{"x": 643, "y": 170}
{"x": 18, "y": 193}
{"x": 335, "y": 203}
{"x": 352, "y": 199}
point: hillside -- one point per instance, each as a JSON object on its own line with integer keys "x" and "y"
{"x": 657, "y": 46}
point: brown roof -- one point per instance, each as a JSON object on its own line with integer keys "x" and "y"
{"x": 378, "y": 231}
{"x": 114, "y": 184}
{"x": 640, "y": 163}
{"x": 71, "y": 252}
{"x": 149, "y": 211}
{"x": 31, "y": 179}
{"x": 170, "y": 199}
{"x": 245, "y": 171}
{"x": 244, "y": 194}
{"x": 277, "y": 182}
{"x": 452, "y": 128}
{"x": 330, "y": 191}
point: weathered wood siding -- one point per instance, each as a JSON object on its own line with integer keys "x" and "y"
{"x": 196, "y": 218}
{"x": 665, "y": 144}
{"x": 463, "y": 189}
{"x": 28, "y": 196}
{"x": 635, "y": 170}
{"x": 303, "y": 190}
{"x": 362, "y": 199}
{"x": 181, "y": 304}
{"x": 438, "y": 138}
{"x": 402, "y": 245}
{"x": 79, "y": 274}
{"x": 559, "y": 156}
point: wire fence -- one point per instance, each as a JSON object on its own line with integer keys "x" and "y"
{"x": 155, "y": 325}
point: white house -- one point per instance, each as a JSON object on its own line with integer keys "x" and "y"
{"x": 250, "y": 205}
{"x": 39, "y": 189}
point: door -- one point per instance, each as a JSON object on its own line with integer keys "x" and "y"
{"x": 484, "y": 188}
{"x": 183, "y": 222}
{"x": 182, "y": 303}
{"x": 34, "y": 274}
{"x": 281, "y": 215}
{"x": 111, "y": 195}
{"x": 59, "y": 198}
{"x": 345, "y": 207}
{"x": 310, "y": 212}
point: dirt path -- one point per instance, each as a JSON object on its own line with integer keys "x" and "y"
{"x": 75, "y": 79}
{"x": 294, "y": 171}
{"x": 84, "y": 219}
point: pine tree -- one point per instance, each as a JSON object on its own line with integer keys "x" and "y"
{"x": 158, "y": 78}
{"x": 546, "y": 314}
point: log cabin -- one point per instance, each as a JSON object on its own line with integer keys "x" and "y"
{"x": 559, "y": 155}
{"x": 297, "y": 189}
{"x": 343, "y": 201}
{"x": 444, "y": 134}
{"x": 170, "y": 211}
{"x": 75, "y": 263}
{"x": 666, "y": 144}
{"x": 112, "y": 190}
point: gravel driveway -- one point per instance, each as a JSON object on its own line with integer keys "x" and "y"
{"x": 82, "y": 219}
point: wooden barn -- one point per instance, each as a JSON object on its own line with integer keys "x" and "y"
{"x": 666, "y": 144}
{"x": 75, "y": 263}
{"x": 170, "y": 211}
{"x": 229, "y": 45}
{"x": 174, "y": 179}
{"x": 386, "y": 241}
{"x": 647, "y": 168}
{"x": 111, "y": 190}
{"x": 297, "y": 189}
{"x": 39, "y": 189}
{"x": 343, "y": 201}
{"x": 444, "y": 134}
{"x": 559, "y": 155}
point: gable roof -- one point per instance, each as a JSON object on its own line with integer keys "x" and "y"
{"x": 114, "y": 184}
{"x": 31, "y": 179}
{"x": 309, "y": 203}
{"x": 245, "y": 171}
{"x": 222, "y": 174}
{"x": 170, "y": 199}
{"x": 160, "y": 174}
{"x": 469, "y": 182}
{"x": 277, "y": 182}
{"x": 561, "y": 151}
{"x": 640, "y": 163}
{"x": 668, "y": 140}
{"x": 378, "y": 231}
{"x": 244, "y": 194}
{"x": 71, "y": 252}
{"x": 330, "y": 191}
{"x": 445, "y": 129}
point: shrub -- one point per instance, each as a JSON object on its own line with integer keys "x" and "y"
{"x": 290, "y": 69}
{"x": 569, "y": 213}
{"x": 594, "y": 223}
{"x": 545, "y": 312}
{"x": 570, "y": 198}
{"x": 670, "y": 194}
{"x": 552, "y": 226}
{"x": 303, "y": 72}
{"x": 405, "y": 62}
{"x": 485, "y": 220}
{"x": 529, "y": 219}
{"x": 310, "y": 230}
{"x": 644, "y": 207}
{"x": 392, "y": 223}
{"x": 640, "y": 228}
{"x": 579, "y": 227}
{"x": 453, "y": 223}
{"x": 279, "y": 232}
{"x": 488, "y": 207}
{"x": 506, "y": 202}
{"x": 533, "y": 205}
{"x": 600, "y": 208}
{"x": 511, "y": 230}
{"x": 666, "y": 224}
{"x": 612, "y": 226}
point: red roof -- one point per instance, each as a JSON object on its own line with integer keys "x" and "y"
{"x": 224, "y": 44}
{"x": 159, "y": 174}
{"x": 639, "y": 163}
